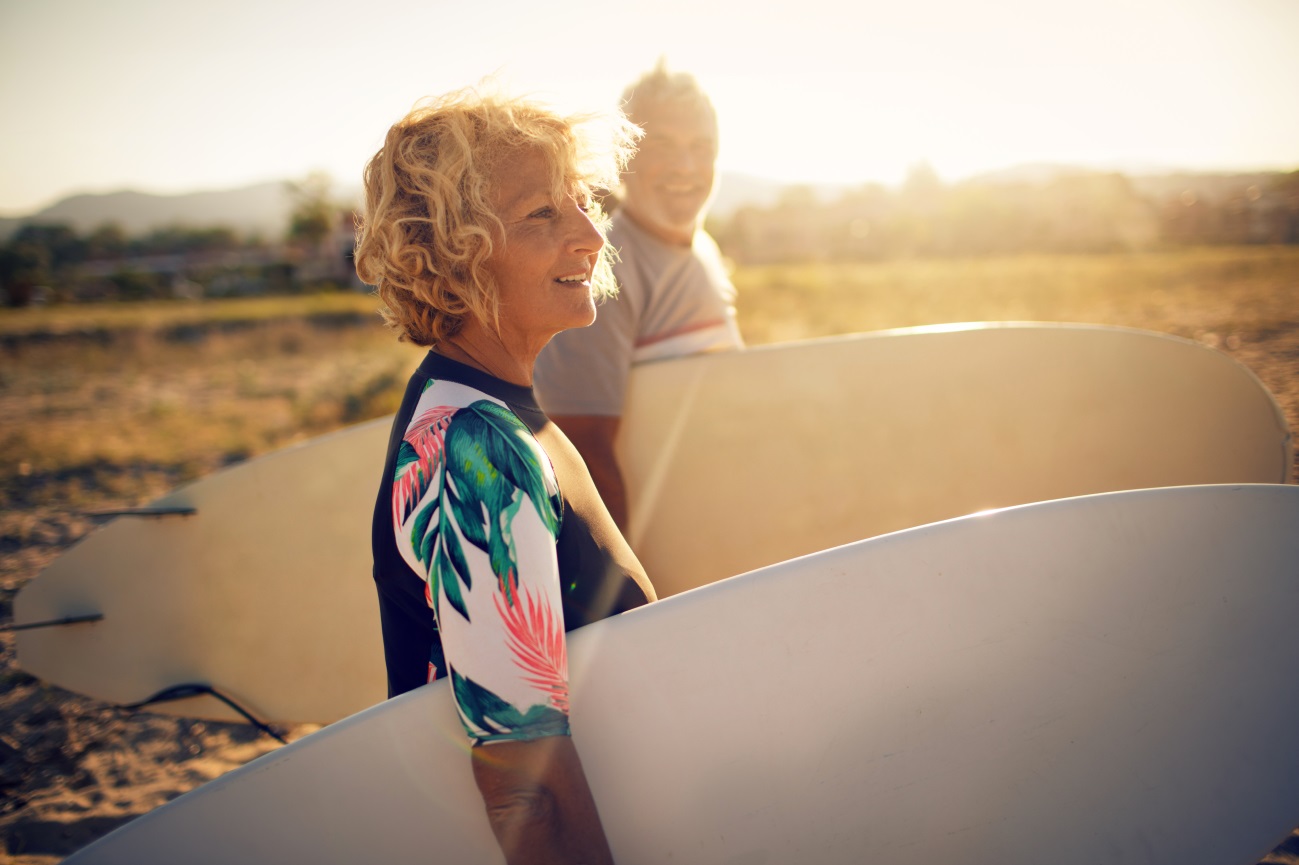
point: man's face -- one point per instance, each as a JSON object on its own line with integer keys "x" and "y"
{"x": 669, "y": 181}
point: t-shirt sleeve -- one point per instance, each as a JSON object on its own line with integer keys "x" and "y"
{"x": 584, "y": 371}
{"x": 476, "y": 512}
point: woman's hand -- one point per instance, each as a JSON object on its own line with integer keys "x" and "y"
{"x": 539, "y": 804}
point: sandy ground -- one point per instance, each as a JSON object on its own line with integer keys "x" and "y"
{"x": 72, "y": 768}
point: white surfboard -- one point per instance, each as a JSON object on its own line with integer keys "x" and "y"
{"x": 733, "y": 461}
{"x": 1100, "y": 679}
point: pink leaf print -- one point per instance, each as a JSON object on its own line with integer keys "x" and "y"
{"x": 427, "y": 435}
{"x": 537, "y": 640}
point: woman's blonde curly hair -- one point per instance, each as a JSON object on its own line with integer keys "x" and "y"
{"x": 428, "y": 225}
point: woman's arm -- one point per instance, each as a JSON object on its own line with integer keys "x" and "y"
{"x": 477, "y": 512}
{"x": 539, "y": 804}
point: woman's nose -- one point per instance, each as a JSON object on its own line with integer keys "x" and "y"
{"x": 584, "y": 237}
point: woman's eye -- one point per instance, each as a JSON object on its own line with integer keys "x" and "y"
{"x": 542, "y": 213}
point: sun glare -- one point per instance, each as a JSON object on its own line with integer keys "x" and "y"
{"x": 805, "y": 93}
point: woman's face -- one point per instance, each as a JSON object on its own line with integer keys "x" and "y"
{"x": 543, "y": 269}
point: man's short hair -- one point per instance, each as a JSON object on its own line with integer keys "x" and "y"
{"x": 660, "y": 88}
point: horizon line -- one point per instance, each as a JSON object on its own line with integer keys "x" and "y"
{"x": 1135, "y": 169}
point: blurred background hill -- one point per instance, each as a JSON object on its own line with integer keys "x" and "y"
{"x": 261, "y": 209}
{"x": 265, "y": 208}
{"x": 280, "y": 237}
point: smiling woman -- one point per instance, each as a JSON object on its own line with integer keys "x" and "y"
{"x": 489, "y": 538}
{"x": 549, "y": 254}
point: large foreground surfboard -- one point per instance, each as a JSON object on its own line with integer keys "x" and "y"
{"x": 1100, "y": 679}
{"x": 734, "y": 461}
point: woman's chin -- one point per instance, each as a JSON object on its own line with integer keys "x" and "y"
{"x": 578, "y": 324}
{"x": 584, "y": 317}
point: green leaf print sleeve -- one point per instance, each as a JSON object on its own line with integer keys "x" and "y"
{"x": 499, "y": 721}
{"x": 477, "y": 511}
{"x": 493, "y": 460}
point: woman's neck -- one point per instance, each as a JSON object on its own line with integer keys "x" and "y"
{"x": 480, "y": 348}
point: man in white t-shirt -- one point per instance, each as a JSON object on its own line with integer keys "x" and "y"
{"x": 674, "y": 295}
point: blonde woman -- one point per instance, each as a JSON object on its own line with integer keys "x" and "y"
{"x": 489, "y": 538}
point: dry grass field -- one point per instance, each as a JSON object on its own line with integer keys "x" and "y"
{"x": 1244, "y": 302}
{"x": 112, "y": 406}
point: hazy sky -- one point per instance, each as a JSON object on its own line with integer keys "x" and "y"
{"x": 178, "y": 95}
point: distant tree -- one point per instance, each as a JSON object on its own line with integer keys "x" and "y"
{"x": 314, "y": 213}
{"x": 797, "y": 197}
{"x": 37, "y": 255}
{"x": 1284, "y": 215}
{"x": 107, "y": 241}
{"x": 60, "y": 241}
{"x": 180, "y": 239}
{"x": 922, "y": 186}
{"x": 23, "y": 266}
{"x": 133, "y": 285}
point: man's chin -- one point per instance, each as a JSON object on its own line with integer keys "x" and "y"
{"x": 685, "y": 210}
{"x": 668, "y": 222}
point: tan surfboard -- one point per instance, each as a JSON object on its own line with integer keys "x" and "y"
{"x": 734, "y": 462}
{"x": 1105, "y": 679}
{"x": 254, "y": 580}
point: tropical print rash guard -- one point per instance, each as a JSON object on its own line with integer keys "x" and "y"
{"x": 481, "y": 560}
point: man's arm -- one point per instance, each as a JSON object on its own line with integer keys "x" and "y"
{"x": 539, "y": 803}
{"x": 593, "y": 436}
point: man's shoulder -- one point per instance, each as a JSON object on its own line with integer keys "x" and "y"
{"x": 704, "y": 245}
{"x": 626, "y": 236}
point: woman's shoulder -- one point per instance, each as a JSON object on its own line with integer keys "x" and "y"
{"x": 484, "y": 438}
